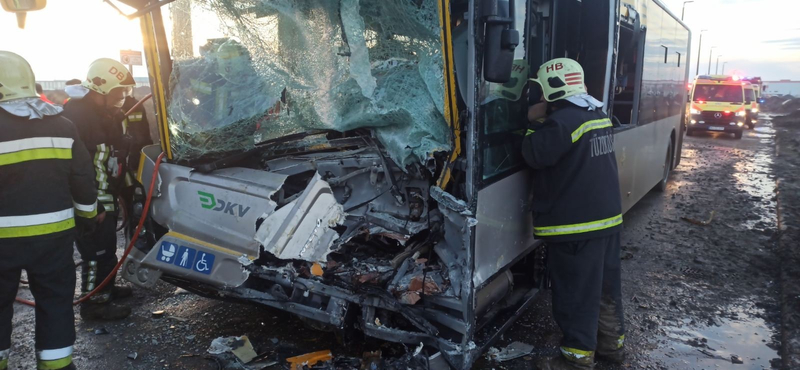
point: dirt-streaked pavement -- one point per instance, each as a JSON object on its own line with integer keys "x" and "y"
{"x": 695, "y": 295}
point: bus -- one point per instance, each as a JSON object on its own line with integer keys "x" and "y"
{"x": 357, "y": 163}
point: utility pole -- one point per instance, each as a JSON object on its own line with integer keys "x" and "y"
{"x": 710, "y": 51}
{"x": 723, "y": 67}
{"x": 683, "y": 10}
{"x": 699, "y": 45}
{"x": 716, "y": 69}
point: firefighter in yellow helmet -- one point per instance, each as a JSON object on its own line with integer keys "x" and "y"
{"x": 46, "y": 188}
{"x": 96, "y": 110}
{"x": 577, "y": 211}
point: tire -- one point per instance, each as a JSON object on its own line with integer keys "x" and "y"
{"x": 662, "y": 185}
{"x": 738, "y": 135}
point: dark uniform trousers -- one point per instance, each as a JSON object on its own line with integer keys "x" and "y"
{"x": 587, "y": 292}
{"x": 51, "y": 275}
{"x": 99, "y": 253}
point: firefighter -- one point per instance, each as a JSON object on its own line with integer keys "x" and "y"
{"x": 96, "y": 111}
{"x": 577, "y": 211}
{"x": 46, "y": 188}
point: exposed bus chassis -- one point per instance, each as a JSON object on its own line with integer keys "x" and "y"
{"x": 393, "y": 263}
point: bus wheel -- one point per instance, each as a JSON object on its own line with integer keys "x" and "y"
{"x": 662, "y": 185}
{"x": 738, "y": 135}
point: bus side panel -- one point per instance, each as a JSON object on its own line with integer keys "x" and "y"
{"x": 505, "y": 224}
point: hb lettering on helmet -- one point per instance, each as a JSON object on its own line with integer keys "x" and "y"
{"x": 554, "y": 67}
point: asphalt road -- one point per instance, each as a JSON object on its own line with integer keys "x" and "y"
{"x": 694, "y": 295}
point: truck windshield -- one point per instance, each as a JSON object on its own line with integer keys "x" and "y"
{"x": 249, "y": 71}
{"x": 749, "y": 95}
{"x": 719, "y": 93}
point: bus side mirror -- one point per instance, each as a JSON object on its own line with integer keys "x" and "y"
{"x": 22, "y": 8}
{"x": 500, "y": 40}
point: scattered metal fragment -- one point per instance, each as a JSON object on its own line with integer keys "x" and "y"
{"x": 512, "y": 351}
{"x": 736, "y": 359}
{"x": 698, "y": 222}
{"x": 101, "y": 331}
{"x": 133, "y": 355}
{"x": 309, "y": 359}
{"x": 238, "y": 346}
{"x": 158, "y": 313}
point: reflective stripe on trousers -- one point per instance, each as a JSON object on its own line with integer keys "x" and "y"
{"x": 578, "y": 228}
{"x": 39, "y": 224}
{"x": 578, "y": 355}
{"x": 52, "y": 359}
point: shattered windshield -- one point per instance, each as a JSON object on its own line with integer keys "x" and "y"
{"x": 247, "y": 71}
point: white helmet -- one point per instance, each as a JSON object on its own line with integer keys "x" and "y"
{"x": 107, "y": 74}
{"x": 16, "y": 77}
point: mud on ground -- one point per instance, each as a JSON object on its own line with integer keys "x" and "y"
{"x": 787, "y": 169}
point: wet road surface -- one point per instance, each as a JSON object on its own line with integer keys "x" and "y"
{"x": 694, "y": 295}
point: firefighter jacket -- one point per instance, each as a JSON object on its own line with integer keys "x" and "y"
{"x": 102, "y": 134}
{"x": 136, "y": 134}
{"x": 46, "y": 178}
{"x": 576, "y": 192}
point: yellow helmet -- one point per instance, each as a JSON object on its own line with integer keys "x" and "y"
{"x": 107, "y": 74}
{"x": 16, "y": 77}
{"x": 232, "y": 60}
{"x": 560, "y": 78}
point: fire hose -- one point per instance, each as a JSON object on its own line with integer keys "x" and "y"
{"x": 111, "y": 276}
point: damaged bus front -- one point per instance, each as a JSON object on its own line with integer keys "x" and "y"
{"x": 316, "y": 163}
{"x": 357, "y": 162}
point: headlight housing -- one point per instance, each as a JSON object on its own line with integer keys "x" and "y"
{"x": 754, "y": 110}
{"x": 694, "y": 111}
{"x": 741, "y": 113}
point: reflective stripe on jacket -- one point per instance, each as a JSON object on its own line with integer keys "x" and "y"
{"x": 46, "y": 177}
{"x": 576, "y": 184}
{"x": 101, "y": 134}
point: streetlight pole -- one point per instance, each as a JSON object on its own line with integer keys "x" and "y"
{"x": 699, "y": 45}
{"x": 683, "y": 10}
{"x": 723, "y": 67}
{"x": 710, "y": 51}
{"x": 716, "y": 69}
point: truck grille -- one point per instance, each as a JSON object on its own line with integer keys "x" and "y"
{"x": 712, "y": 117}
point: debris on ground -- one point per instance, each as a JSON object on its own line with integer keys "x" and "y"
{"x": 736, "y": 359}
{"x": 238, "y": 346}
{"x": 698, "y": 222}
{"x": 309, "y": 359}
{"x": 512, "y": 351}
{"x": 100, "y": 331}
{"x": 158, "y": 313}
{"x": 133, "y": 355}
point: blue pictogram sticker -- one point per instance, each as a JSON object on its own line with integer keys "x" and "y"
{"x": 204, "y": 263}
{"x": 185, "y": 257}
{"x": 166, "y": 252}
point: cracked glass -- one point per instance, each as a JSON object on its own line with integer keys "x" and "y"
{"x": 252, "y": 70}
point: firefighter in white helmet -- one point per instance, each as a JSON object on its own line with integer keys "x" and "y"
{"x": 95, "y": 109}
{"x": 46, "y": 188}
{"x": 577, "y": 211}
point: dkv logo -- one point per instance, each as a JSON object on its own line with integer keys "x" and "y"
{"x": 208, "y": 201}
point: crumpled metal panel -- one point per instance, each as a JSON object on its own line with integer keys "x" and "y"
{"x": 302, "y": 229}
{"x": 290, "y": 66}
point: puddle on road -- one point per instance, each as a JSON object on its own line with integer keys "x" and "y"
{"x": 754, "y": 176}
{"x": 746, "y": 336}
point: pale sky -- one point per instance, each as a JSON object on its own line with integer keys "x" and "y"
{"x": 754, "y": 37}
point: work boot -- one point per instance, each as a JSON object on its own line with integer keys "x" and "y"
{"x": 104, "y": 311}
{"x": 610, "y": 348}
{"x": 121, "y": 291}
{"x": 69, "y": 367}
{"x": 561, "y": 363}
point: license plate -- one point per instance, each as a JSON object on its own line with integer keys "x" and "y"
{"x": 716, "y": 128}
